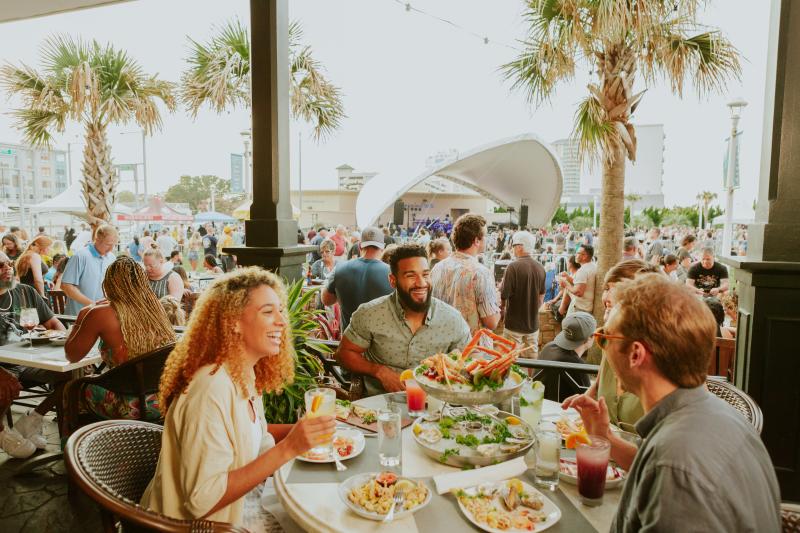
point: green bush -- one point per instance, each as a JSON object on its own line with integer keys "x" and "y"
{"x": 281, "y": 407}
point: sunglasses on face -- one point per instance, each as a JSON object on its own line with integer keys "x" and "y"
{"x": 602, "y": 339}
{"x": 6, "y": 264}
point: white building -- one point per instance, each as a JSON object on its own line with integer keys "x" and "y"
{"x": 352, "y": 180}
{"x": 31, "y": 175}
{"x": 644, "y": 178}
{"x": 567, "y": 151}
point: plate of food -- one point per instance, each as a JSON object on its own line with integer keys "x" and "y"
{"x": 362, "y": 417}
{"x": 466, "y": 436}
{"x": 348, "y": 442}
{"x": 476, "y": 375}
{"x": 507, "y": 507}
{"x": 370, "y": 495}
{"x": 569, "y": 473}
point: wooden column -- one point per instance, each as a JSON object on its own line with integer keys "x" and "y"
{"x": 768, "y": 279}
{"x": 271, "y": 232}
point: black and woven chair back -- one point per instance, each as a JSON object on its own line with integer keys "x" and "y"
{"x": 122, "y": 458}
{"x": 739, "y": 400}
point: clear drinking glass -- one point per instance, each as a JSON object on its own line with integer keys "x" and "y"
{"x": 531, "y": 396}
{"x": 29, "y": 319}
{"x": 390, "y": 442}
{"x": 548, "y": 458}
{"x": 321, "y": 402}
{"x": 592, "y": 462}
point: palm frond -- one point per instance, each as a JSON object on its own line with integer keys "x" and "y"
{"x": 313, "y": 97}
{"x": 219, "y": 70}
{"x": 596, "y": 135}
{"x": 37, "y": 124}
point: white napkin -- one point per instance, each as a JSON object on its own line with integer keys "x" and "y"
{"x": 487, "y": 474}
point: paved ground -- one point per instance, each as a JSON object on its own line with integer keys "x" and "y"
{"x": 37, "y": 502}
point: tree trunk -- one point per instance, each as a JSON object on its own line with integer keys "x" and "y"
{"x": 612, "y": 224}
{"x": 99, "y": 178}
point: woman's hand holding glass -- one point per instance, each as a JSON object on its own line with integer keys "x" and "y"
{"x": 308, "y": 433}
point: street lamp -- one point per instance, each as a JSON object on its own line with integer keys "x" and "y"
{"x": 246, "y": 185}
{"x": 736, "y": 105}
{"x": 144, "y": 160}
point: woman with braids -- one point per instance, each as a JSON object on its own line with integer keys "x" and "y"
{"x": 216, "y": 446}
{"x": 130, "y": 322}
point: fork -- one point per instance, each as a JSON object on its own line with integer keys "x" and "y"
{"x": 398, "y": 500}
{"x": 339, "y": 465}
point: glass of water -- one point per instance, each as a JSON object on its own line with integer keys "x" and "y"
{"x": 548, "y": 457}
{"x": 390, "y": 442}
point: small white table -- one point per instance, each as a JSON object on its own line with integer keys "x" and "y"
{"x": 316, "y": 507}
{"x": 45, "y": 356}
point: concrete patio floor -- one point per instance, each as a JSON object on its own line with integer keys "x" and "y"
{"x": 36, "y": 502}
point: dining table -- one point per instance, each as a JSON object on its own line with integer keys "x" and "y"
{"x": 310, "y": 492}
{"x": 52, "y": 357}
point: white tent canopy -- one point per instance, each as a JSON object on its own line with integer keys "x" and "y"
{"x": 511, "y": 172}
{"x": 70, "y": 201}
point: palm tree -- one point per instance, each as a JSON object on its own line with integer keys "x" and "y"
{"x": 632, "y": 198}
{"x": 659, "y": 38}
{"x": 219, "y": 74}
{"x": 705, "y": 198}
{"x": 96, "y": 86}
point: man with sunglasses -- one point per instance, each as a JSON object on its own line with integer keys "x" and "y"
{"x": 701, "y": 466}
{"x": 26, "y": 436}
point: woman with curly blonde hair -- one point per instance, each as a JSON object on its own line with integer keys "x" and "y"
{"x": 216, "y": 446}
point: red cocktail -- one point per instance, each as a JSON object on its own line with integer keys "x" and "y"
{"x": 592, "y": 462}
{"x": 416, "y": 398}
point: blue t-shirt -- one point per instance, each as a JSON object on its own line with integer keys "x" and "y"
{"x": 86, "y": 270}
{"x": 356, "y": 282}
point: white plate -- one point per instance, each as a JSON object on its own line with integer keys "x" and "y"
{"x": 360, "y": 479}
{"x": 358, "y": 446}
{"x": 611, "y": 483}
{"x": 551, "y": 510}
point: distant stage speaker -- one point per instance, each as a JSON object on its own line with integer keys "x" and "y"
{"x": 399, "y": 210}
{"x": 523, "y": 216}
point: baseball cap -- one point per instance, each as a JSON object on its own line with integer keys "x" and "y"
{"x": 575, "y": 330}
{"x": 525, "y": 238}
{"x": 372, "y": 236}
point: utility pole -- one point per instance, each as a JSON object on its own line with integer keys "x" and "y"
{"x": 300, "y": 171}
{"x": 144, "y": 165}
{"x": 735, "y": 107}
{"x": 247, "y": 185}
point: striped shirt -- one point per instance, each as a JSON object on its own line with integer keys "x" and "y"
{"x": 161, "y": 286}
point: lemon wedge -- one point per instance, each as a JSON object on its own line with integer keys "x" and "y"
{"x": 406, "y": 374}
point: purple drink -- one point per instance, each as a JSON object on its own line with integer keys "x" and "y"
{"x": 592, "y": 462}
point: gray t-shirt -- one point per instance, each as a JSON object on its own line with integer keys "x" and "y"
{"x": 356, "y": 282}
{"x": 380, "y": 326}
{"x": 701, "y": 467}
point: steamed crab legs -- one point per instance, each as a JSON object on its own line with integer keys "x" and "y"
{"x": 503, "y": 345}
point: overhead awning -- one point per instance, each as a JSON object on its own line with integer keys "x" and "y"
{"x": 21, "y": 10}
{"x": 520, "y": 170}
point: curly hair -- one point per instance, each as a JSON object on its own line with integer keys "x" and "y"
{"x": 211, "y": 338}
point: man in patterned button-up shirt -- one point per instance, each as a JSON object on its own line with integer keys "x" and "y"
{"x": 461, "y": 281}
{"x": 397, "y": 331}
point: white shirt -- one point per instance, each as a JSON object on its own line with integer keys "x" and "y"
{"x": 167, "y": 244}
{"x": 83, "y": 238}
{"x": 586, "y": 274}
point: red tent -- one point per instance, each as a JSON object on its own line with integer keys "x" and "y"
{"x": 156, "y": 211}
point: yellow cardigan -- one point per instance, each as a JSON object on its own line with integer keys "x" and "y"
{"x": 207, "y": 433}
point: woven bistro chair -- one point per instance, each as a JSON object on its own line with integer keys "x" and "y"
{"x": 58, "y": 301}
{"x": 136, "y": 377}
{"x": 112, "y": 462}
{"x": 737, "y": 399}
{"x": 790, "y": 517}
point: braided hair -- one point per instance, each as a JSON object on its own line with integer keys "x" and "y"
{"x": 143, "y": 321}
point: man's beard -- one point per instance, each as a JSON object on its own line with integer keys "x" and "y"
{"x": 8, "y": 284}
{"x": 409, "y": 303}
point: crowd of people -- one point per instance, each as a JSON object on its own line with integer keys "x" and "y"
{"x": 402, "y": 299}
